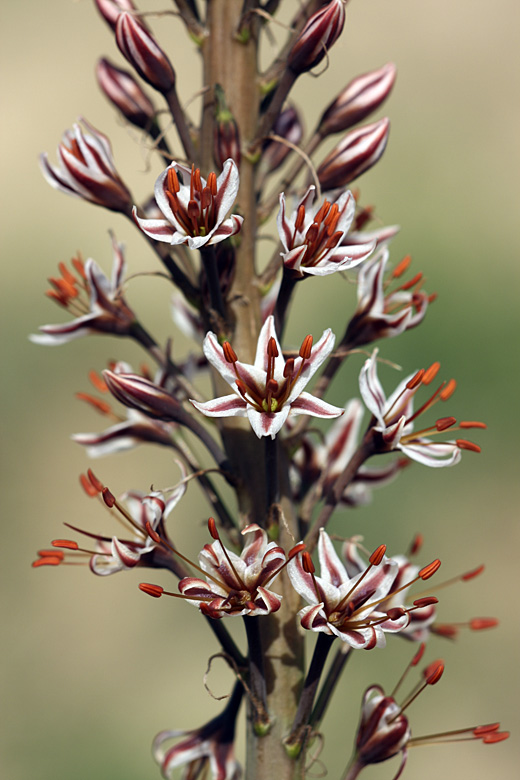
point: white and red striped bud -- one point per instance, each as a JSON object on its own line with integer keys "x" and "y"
{"x": 110, "y": 10}
{"x": 356, "y": 153}
{"x": 125, "y": 94}
{"x": 226, "y": 138}
{"x": 383, "y": 730}
{"x": 360, "y": 98}
{"x": 142, "y": 52}
{"x": 288, "y": 125}
{"x": 139, "y": 393}
{"x": 321, "y": 31}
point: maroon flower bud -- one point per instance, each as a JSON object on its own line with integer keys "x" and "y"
{"x": 288, "y": 125}
{"x": 143, "y": 53}
{"x": 355, "y": 154}
{"x": 124, "y": 92}
{"x": 383, "y": 731}
{"x": 226, "y": 138}
{"x": 110, "y": 10}
{"x": 322, "y": 30}
{"x": 139, "y": 393}
{"x": 359, "y": 99}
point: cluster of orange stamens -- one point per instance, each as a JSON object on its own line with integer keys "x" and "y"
{"x": 67, "y": 288}
{"x": 198, "y": 218}
{"x": 322, "y": 235}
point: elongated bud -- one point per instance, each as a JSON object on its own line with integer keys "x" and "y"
{"x": 138, "y": 393}
{"x": 144, "y": 54}
{"x": 226, "y": 138}
{"x": 355, "y": 154}
{"x": 319, "y": 34}
{"x": 288, "y": 125}
{"x": 125, "y": 94}
{"x": 383, "y": 731}
{"x": 110, "y": 10}
{"x": 360, "y": 98}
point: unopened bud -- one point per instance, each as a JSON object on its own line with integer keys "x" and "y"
{"x": 124, "y": 92}
{"x": 355, "y": 154}
{"x": 144, "y": 54}
{"x": 321, "y": 31}
{"x": 110, "y": 10}
{"x": 226, "y": 138}
{"x": 360, "y": 98}
{"x": 138, "y": 393}
{"x": 288, "y": 125}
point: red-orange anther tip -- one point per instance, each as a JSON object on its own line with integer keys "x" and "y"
{"x": 51, "y": 553}
{"x": 108, "y": 498}
{"x": 415, "y": 380}
{"x": 152, "y": 533}
{"x": 402, "y": 266}
{"x": 272, "y": 349}
{"x": 67, "y": 544}
{"x": 427, "y": 601}
{"x": 229, "y": 353}
{"x": 307, "y": 563}
{"x": 94, "y": 481}
{"x": 434, "y": 672}
{"x": 498, "y": 736}
{"x": 87, "y": 486}
{"x": 173, "y": 180}
{"x": 47, "y": 560}
{"x": 152, "y": 590}
{"x": 378, "y": 555}
{"x": 300, "y": 217}
{"x": 412, "y": 282}
{"x": 464, "y": 444}
{"x": 98, "y": 381}
{"x": 395, "y": 613}
{"x": 417, "y": 542}
{"x": 298, "y": 548}
{"x": 429, "y": 571}
{"x": 479, "y": 624}
{"x": 306, "y": 347}
{"x": 472, "y": 424}
{"x": 448, "y": 390}
{"x": 431, "y": 373}
{"x": 487, "y": 729}
{"x": 419, "y": 654}
{"x": 446, "y": 630}
{"x": 271, "y": 386}
{"x": 97, "y": 403}
{"x": 212, "y": 528}
{"x": 288, "y": 369}
{"x": 473, "y": 573}
{"x": 443, "y": 423}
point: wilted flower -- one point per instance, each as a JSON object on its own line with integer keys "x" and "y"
{"x": 195, "y": 212}
{"x": 382, "y": 312}
{"x": 352, "y": 609}
{"x": 97, "y": 300}
{"x": 355, "y": 154}
{"x": 86, "y": 169}
{"x": 315, "y": 240}
{"x": 211, "y": 744}
{"x": 395, "y": 417}
{"x": 236, "y": 585}
{"x": 271, "y": 389}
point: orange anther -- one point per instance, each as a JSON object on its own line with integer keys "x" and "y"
{"x": 498, "y": 736}
{"x": 448, "y": 390}
{"x": 473, "y": 573}
{"x": 488, "y": 729}
{"x": 229, "y": 353}
{"x": 378, "y": 555}
{"x": 427, "y": 601}
{"x": 415, "y": 380}
{"x": 48, "y": 560}
{"x": 300, "y": 218}
{"x": 98, "y": 381}
{"x": 307, "y": 563}
{"x": 419, "y": 654}
{"x": 479, "y": 624}
{"x": 67, "y": 544}
{"x": 272, "y": 349}
{"x": 288, "y": 369}
{"x": 416, "y": 543}
{"x": 298, "y": 548}
{"x": 412, "y": 282}
{"x": 434, "y": 672}
{"x": 431, "y": 373}
{"x": 429, "y": 571}
{"x": 101, "y": 406}
{"x": 87, "y": 486}
{"x": 108, "y": 498}
{"x": 172, "y": 180}
{"x": 306, "y": 348}
{"x": 152, "y": 533}
{"x": 402, "y": 266}
{"x": 464, "y": 444}
{"x": 94, "y": 481}
{"x": 395, "y": 613}
{"x": 446, "y": 629}
{"x": 472, "y": 424}
{"x": 152, "y": 590}
{"x": 443, "y": 423}
{"x": 212, "y": 183}
{"x": 212, "y": 528}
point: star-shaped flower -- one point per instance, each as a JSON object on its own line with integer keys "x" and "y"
{"x": 271, "y": 389}
{"x": 315, "y": 239}
{"x": 90, "y": 294}
{"x": 351, "y": 608}
{"x": 395, "y": 417}
{"x": 194, "y": 213}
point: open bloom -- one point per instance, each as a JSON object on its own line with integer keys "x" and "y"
{"x": 315, "y": 239}
{"x": 352, "y": 608}
{"x": 97, "y": 300}
{"x": 395, "y": 417}
{"x": 236, "y": 585}
{"x": 86, "y": 169}
{"x": 271, "y": 389}
{"x": 211, "y": 744}
{"x": 194, "y": 213}
{"x": 382, "y": 312}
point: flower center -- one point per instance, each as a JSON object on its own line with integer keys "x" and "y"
{"x": 322, "y": 235}
{"x": 198, "y": 217}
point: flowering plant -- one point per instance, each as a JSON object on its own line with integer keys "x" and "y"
{"x": 288, "y": 479}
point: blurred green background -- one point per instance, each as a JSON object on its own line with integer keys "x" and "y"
{"x": 92, "y": 669}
